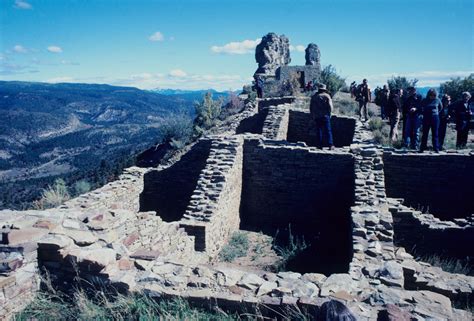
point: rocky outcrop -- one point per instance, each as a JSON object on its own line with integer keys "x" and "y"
{"x": 272, "y": 52}
{"x": 313, "y": 55}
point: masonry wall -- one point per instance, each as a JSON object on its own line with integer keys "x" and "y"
{"x": 19, "y": 280}
{"x": 213, "y": 213}
{"x": 301, "y": 129}
{"x": 312, "y": 191}
{"x": 168, "y": 191}
{"x": 442, "y": 185}
{"x": 427, "y": 235}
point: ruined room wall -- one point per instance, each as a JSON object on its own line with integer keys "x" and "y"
{"x": 19, "y": 280}
{"x": 275, "y": 125}
{"x": 282, "y": 184}
{"x": 168, "y": 191}
{"x": 441, "y": 184}
{"x": 213, "y": 213}
{"x": 267, "y": 102}
{"x": 252, "y": 124}
{"x": 288, "y": 185}
{"x": 301, "y": 129}
{"x": 427, "y": 235}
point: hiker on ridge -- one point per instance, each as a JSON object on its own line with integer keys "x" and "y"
{"x": 412, "y": 119}
{"x": 431, "y": 107}
{"x": 394, "y": 107}
{"x": 259, "y": 86}
{"x": 384, "y": 93}
{"x": 320, "y": 109}
{"x": 444, "y": 118}
{"x": 364, "y": 96}
{"x": 463, "y": 115}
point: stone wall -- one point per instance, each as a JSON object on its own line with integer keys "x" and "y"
{"x": 308, "y": 72}
{"x": 275, "y": 125}
{"x": 427, "y": 235}
{"x": 213, "y": 213}
{"x": 19, "y": 280}
{"x": 301, "y": 129}
{"x": 290, "y": 185}
{"x": 168, "y": 191}
{"x": 123, "y": 193}
{"x": 267, "y": 102}
{"x": 441, "y": 184}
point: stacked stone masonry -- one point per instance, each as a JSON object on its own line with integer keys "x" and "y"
{"x": 109, "y": 235}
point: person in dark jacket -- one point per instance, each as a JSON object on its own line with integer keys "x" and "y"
{"x": 463, "y": 115}
{"x": 444, "y": 117}
{"x": 364, "y": 96}
{"x": 259, "y": 86}
{"x": 431, "y": 107}
{"x": 394, "y": 107}
{"x": 321, "y": 108}
{"x": 412, "y": 119}
{"x": 384, "y": 101}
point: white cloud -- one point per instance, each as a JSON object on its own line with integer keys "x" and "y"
{"x": 157, "y": 36}
{"x": 298, "y": 48}
{"x": 430, "y": 78}
{"x": 55, "y": 49}
{"x": 237, "y": 48}
{"x": 20, "y": 49}
{"x": 20, "y": 4}
{"x": 178, "y": 73}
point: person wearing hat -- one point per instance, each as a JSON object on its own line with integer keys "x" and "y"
{"x": 320, "y": 110}
{"x": 463, "y": 115}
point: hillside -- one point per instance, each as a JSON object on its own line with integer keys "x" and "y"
{"x": 74, "y": 131}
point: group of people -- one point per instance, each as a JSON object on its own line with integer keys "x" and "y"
{"x": 425, "y": 115}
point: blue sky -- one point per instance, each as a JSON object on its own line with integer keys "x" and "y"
{"x": 204, "y": 44}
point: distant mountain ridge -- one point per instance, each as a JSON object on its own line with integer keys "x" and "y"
{"x": 70, "y": 130}
{"x": 190, "y": 94}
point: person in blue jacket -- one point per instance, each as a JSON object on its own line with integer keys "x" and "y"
{"x": 431, "y": 106}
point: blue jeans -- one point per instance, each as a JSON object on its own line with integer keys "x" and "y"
{"x": 430, "y": 122}
{"x": 443, "y": 124}
{"x": 323, "y": 130}
{"x": 412, "y": 131}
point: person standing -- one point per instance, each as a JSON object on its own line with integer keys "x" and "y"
{"x": 394, "y": 107}
{"x": 353, "y": 88}
{"x": 364, "y": 96}
{"x": 463, "y": 116}
{"x": 321, "y": 108}
{"x": 412, "y": 119}
{"x": 444, "y": 117}
{"x": 431, "y": 107}
{"x": 384, "y": 101}
{"x": 259, "y": 86}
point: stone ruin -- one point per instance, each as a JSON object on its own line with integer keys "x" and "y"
{"x": 367, "y": 212}
{"x": 155, "y": 230}
{"x": 273, "y": 58}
